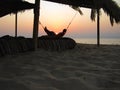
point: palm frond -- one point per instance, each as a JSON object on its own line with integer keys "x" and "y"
{"x": 111, "y": 20}
{"x": 93, "y": 14}
{"x": 112, "y": 9}
{"x": 77, "y": 9}
{"x": 9, "y": 6}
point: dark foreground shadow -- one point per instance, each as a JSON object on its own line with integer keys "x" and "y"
{"x": 12, "y": 45}
{"x": 11, "y": 85}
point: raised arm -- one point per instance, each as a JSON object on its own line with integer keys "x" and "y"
{"x": 49, "y": 33}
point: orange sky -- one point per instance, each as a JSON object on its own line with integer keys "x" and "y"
{"x": 56, "y": 17}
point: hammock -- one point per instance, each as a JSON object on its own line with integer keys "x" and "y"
{"x": 68, "y": 24}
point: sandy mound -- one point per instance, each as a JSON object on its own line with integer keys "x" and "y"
{"x": 86, "y": 67}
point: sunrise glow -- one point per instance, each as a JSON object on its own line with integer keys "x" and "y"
{"x": 56, "y": 17}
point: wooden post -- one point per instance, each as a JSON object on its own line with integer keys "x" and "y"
{"x": 98, "y": 27}
{"x": 16, "y": 24}
{"x": 36, "y": 23}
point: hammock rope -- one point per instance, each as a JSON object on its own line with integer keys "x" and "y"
{"x": 41, "y": 25}
{"x": 68, "y": 24}
{"x": 72, "y": 20}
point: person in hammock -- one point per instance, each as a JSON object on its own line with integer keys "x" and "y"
{"x": 61, "y": 34}
{"x": 52, "y": 34}
{"x": 49, "y": 33}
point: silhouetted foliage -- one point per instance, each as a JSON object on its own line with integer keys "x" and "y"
{"x": 13, "y": 6}
{"x": 110, "y": 7}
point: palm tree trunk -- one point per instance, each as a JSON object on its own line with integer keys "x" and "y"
{"x": 98, "y": 27}
{"x": 36, "y": 23}
{"x": 16, "y": 24}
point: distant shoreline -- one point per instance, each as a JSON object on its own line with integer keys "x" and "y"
{"x": 106, "y": 41}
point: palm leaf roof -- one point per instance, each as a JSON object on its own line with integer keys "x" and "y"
{"x": 13, "y": 6}
{"x": 110, "y": 7}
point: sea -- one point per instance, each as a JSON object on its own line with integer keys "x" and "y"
{"x": 106, "y": 41}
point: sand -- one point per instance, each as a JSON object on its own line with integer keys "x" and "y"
{"x": 86, "y": 67}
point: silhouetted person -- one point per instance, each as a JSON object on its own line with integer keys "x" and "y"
{"x": 49, "y": 33}
{"x": 61, "y": 34}
{"x": 52, "y": 34}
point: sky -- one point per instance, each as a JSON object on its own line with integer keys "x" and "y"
{"x": 57, "y": 17}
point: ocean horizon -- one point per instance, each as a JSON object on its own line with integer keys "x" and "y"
{"x": 108, "y": 41}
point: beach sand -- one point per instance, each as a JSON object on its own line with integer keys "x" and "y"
{"x": 86, "y": 67}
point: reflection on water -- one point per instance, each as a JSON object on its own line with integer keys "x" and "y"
{"x": 115, "y": 41}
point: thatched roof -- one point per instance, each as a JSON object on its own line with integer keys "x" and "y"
{"x": 110, "y": 7}
{"x": 13, "y": 6}
{"x": 81, "y": 3}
